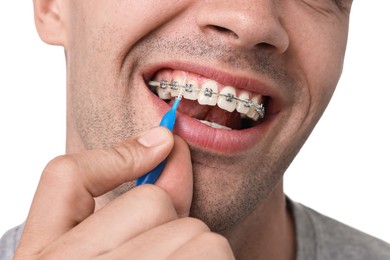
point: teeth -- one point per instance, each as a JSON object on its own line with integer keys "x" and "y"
{"x": 242, "y": 107}
{"x": 164, "y": 90}
{"x": 191, "y": 90}
{"x": 179, "y": 78}
{"x": 214, "y": 125}
{"x": 207, "y": 95}
{"x": 175, "y": 89}
{"x": 252, "y": 113}
{"x": 226, "y": 99}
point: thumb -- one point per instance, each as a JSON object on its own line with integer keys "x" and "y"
{"x": 177, "y": 177}
{"x": 69, "y": 184}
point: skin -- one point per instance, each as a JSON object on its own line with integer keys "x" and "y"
{"x": 295, "y": 47}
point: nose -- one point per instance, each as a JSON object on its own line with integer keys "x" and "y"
{"x": 243, "y": 24}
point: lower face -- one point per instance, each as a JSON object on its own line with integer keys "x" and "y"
{"x": 112, "y": 56}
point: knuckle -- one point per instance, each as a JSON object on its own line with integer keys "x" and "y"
{"x": 158, "y": 199}
{"x": 216, "y": 240}
{"x": 61, "y": 165}
{"x": 158, "y": 195}
{"x": 197, "y": 224}
{"x": 128, "y": 154}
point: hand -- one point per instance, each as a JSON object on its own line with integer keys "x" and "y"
{"x": 147, "y": 222}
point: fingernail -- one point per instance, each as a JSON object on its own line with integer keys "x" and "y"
{"x": 153, "y": 137}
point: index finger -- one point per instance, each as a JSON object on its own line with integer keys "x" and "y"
{"x": 69, "y": 183}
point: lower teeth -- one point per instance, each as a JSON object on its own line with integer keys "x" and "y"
{"x": 214, "y": 125}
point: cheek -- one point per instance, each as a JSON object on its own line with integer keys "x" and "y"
{"x": 104, "y": 121}
{"x": 319, "y": 51}
{"x": 100, "y": 36}
{"x": 125, "y": 22}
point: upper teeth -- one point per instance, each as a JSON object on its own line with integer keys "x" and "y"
{"x": 208, "y": 94}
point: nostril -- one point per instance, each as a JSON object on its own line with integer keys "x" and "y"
{"x": 223, "y": 30}
{"x": 265, "y": 46}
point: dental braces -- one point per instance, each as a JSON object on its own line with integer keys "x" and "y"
{"x": 229, "y": 97}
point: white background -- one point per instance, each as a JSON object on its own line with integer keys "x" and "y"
{"x": 342, "y": 171}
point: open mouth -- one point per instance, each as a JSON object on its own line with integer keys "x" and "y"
{"x": 216, "y": 105}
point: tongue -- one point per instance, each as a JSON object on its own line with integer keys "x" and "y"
{"x": 210, "y": 113}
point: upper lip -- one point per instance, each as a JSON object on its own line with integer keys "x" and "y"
{"x": 224, "y": 78}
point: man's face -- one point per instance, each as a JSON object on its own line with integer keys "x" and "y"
{"x": 286, "y": 54}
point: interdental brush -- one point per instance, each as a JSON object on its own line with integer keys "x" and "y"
{"x": 167, "y": 121}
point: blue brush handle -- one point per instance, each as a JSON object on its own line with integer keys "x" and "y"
{"x": 167, "y": 121}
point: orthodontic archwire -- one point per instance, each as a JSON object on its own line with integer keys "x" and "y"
{"x": 174, "y": 85}
{"x": 167, "y": 121}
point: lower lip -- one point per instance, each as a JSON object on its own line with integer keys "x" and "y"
{"x": 208, "y": 138}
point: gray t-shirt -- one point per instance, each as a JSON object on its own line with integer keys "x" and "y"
{"x": 322, "y": 238}
{"x": 318, "y": 238}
